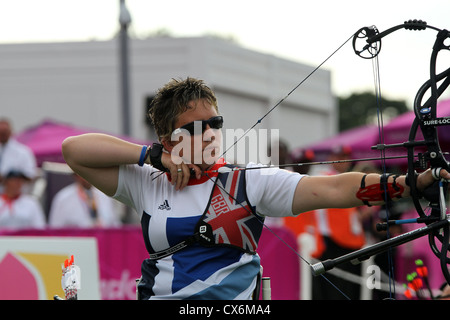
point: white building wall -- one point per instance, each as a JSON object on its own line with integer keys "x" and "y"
{"x": 78, "y": 83}
{"x": 71, "y": 82}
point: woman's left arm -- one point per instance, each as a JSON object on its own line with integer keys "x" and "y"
{"x": 342, "y": 190}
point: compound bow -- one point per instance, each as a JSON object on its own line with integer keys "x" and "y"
{"x": 367, "y": 44}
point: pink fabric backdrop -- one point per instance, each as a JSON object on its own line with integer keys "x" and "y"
{"x": 361, "y": 139}
{"x": 122, "y": 250}
{"x": 45, "y": 139}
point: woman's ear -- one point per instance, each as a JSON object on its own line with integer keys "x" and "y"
{"x": 167, "y": 144}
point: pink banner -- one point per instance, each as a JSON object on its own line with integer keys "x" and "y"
{"x": 121, "y": 252}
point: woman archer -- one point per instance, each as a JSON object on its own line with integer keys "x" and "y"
{"x": 201, "y": 220}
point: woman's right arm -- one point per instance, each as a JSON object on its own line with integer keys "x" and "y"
{"x": 97, "y": 157}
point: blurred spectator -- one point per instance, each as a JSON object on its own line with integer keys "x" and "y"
{"x": 305, "y": 222}
{"x": 373, "y": 215}
{"x": 278, "y": 151}
{"x": 82, "y": 205}
{"x": 19, "y": 210}
{"x": 15, "y": 155}
{"x": 302, "y": 156}
{"x": 342, "y": 232}
{"x": 279, "y": 156}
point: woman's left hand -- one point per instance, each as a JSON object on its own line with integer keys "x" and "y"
{"x": 427, "y": 178}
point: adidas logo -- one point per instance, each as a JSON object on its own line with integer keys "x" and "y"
{"x": 165, "y": 206}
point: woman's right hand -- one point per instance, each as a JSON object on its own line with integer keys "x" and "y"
{"x": 180, "y": 171}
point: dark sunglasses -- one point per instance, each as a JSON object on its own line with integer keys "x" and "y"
{"x": 213, "y": 123}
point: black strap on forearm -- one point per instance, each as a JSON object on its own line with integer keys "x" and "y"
{"x": 155, "y": 157}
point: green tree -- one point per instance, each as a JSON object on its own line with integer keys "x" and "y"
{"x": 362, "y": 108}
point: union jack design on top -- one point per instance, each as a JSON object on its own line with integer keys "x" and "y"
{"x": 230, "y": 214}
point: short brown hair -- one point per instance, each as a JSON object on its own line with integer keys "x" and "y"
{"x": 172, "y": 100}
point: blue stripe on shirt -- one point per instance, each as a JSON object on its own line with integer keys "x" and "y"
{"x": 199, "y": 263}
{"x": 232, "y": 285}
